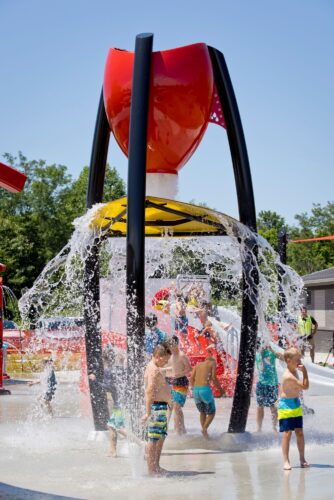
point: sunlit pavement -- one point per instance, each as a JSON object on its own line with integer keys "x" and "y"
{"x": 53, "y": 456}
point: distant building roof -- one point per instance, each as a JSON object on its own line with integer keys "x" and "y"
{"x": 324, "y": 277}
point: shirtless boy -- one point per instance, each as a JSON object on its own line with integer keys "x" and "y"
{"x": 177, "y": 372}
{"x": 202, "y": 375}
{"x": 290, "y": 412}
{"x": 181, "y": 320}
{"x": 157, "y": 398}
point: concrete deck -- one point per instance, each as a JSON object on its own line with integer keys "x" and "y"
{"x": 42, "y": 457}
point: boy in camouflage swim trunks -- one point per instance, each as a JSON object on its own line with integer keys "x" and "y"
{"x": 158, "y": 399}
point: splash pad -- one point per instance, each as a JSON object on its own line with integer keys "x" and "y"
{"x": 159, "y": 126}
{"x": 105, "y": 274}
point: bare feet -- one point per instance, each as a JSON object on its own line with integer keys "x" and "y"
{"x": 205, "y": 433}
{"x": 286, "y": 466}
{"x": 181, "y": 432}
{"x": 112, "y": 454}
{"x": 304, "y": 464}
{"x": 159, "y": 472}
{"x": 162, "y": 471}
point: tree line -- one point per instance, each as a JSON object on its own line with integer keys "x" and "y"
{"x": 308, "y": 257}
{"x": 37, "y": 223}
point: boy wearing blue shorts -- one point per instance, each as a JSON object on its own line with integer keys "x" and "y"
{"x": 290, "y": 411}
{"x": 202, "y": 375}
{"x": 178, "y": 370}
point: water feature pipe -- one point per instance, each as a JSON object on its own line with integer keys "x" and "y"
{"x": 136, "y": 200}
{"x": 135, "y": 234}
{"x": 247, "y": 215}
{"x": 92, "y": 313}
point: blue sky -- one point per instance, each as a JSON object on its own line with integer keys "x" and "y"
{"x": 280, "y": 58}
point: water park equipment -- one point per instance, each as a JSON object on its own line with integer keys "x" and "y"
{"x": 158, "y": 107}
{"x": 12, "y": 180}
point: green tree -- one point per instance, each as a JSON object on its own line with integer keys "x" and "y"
{"x": 309, "y": 257}
{"x": 75, "y": 197}
{"x": 269, "y": 225}
{"x": 37, "y": 223}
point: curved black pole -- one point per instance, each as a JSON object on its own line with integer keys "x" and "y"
{"x": 92, "y": 273}
{"x": 282, "y": 246}
{"x": 247, "y": 215}
{"x": 135, "y": 242}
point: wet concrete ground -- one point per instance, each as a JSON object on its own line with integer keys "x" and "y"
{"x": 53, "y": 456}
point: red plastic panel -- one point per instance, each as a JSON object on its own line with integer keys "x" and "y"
{"x": 181, "y": 95}
{"x": 217, "y": 115}
{"x": 11, "y": 179}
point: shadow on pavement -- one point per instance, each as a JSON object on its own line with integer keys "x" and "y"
{"x": 322, "y": 466}
{"x": 15, "y": 493}
{"x": 185, "y": 473}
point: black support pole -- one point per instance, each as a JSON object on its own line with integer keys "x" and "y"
{"x": 135, "y": 244}
{"x": 92, "y": 274}
{"x": 282, "y": 245}
{"x": 247, "y": 215}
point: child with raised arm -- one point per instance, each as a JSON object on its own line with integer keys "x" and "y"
{"x": 290, "y": 412}
{"x": 202, "y": 375}
{"x": 157, "y": 399}
{"x": 267, "y": 383}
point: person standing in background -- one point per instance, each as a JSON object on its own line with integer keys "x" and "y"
{"x": 307, "y": 329}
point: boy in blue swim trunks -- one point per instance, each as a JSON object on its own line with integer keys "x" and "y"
{"x": 158, "y": 400}
{"x": 290, "y": 412}
{"x": 267, "y": 384}
{"x": 202, "y": 375}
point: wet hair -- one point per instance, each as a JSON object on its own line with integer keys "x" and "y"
{"x": 162, "y": 350}
{"x": 291, "y": 353}
{"x": 175, "y": 340}
{"x": 208, "y": 323}
{"x": 151, "y": 320}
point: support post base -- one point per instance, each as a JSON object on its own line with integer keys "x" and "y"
{"x": 4, "y": 392}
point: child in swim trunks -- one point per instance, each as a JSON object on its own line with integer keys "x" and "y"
{"x": 49, "y": 383}
{"x": 290, "y": 412}
{"x": 178, "y": 370}
{"x": 114, "y": 383}
{"x": 267, "y": 384}
{"x": 202, "y": 375}
{"x": 181, "y": 320}
{"x": 158, "y": 399}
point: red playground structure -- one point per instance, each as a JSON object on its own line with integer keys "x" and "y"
{"x": 12, "y": 180}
